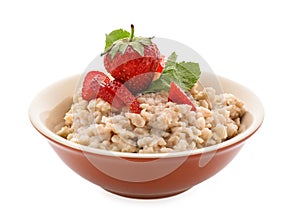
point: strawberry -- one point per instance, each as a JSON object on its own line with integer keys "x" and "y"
{"x": 108, "y": 94}
{"x": 160, "y": 68}
{"x": 178, "y": 96}
{"x": 132, "y": 61}
{"x": 126, "y": 96}
{"x": 98, "y": 85}
{"x": 91, "y": 84}
{"x": 161, "y": 64}
{"x": 114, "y": 92}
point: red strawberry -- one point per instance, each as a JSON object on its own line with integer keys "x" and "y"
{"x": 160, "y": 68}
{"x": 107, "y": 93}
{"x": 98, "y": 85}
{"x": 132, "y": 61}
{"x": 178, "y": 96}
{"x": 161, "y": 64}
{"x": 115, "y": 92}
{"x": 91, "y": 84}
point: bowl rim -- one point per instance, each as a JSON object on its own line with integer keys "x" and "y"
{"x": 52, "y": 137}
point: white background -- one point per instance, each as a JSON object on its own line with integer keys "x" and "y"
{"x": 256, "y": 43}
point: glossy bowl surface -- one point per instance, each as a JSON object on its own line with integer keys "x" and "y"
{"x": 141, "y": 175}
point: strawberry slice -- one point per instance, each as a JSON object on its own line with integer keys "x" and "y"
{"x": 160, "y": 68}
{"x": 115, "y": 92}
{"x": 161, "y": 64}
{"x": 178, "y": 96}
{"x": 98, "y": 85}
{"x": 107, "y": 93}
{"x": 92, "y": 83}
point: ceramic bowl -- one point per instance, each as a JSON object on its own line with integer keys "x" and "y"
{"x": 141, "y": 175}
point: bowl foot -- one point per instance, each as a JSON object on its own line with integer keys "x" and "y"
{"x": 147, "y": 196}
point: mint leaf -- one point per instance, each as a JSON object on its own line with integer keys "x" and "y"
{"x": 184, "y": 74}
{"x": 171, "y": 62}
{"x": 115, "y": 36}
{"x": 188, "y": 75}
{"x": 163, "y": 83}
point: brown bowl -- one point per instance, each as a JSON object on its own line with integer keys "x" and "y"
{"x": 140, "y": 175}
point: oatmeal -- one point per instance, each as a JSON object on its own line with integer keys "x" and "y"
{"x": 161, "y": 126}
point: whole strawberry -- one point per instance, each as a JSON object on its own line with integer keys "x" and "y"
{"x": 131, "y": 60}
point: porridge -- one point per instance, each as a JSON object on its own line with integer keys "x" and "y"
{"x": 161, "y": 126}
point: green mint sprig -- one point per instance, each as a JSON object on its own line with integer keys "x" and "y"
{"x": 184, "y": 74}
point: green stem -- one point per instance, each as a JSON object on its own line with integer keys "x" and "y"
{"x": 132, "y": 33}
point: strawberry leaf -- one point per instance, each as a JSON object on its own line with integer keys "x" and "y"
{"x": 115, "y": 36}
{"x": 138, "y": 47}
{"x": 114, "y": 50}
{"x": 144, "y": 41}
{"x": 123, "y": 48}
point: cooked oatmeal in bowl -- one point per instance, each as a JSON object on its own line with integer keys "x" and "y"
{"x": 142, "y": 124}
{"x": 162, "y": 126}
{"x": 136, "y": 175}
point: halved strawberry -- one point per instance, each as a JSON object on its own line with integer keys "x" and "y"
{"x": 160, "y": 68}
{"x": 92, "y": 83}
{"x": 107, "y": 93}
{"x": 178, "y": 96}
{"x": 161, "y": 64}
{"x": 98, "y": 85}
{"x": 115, "y": 92}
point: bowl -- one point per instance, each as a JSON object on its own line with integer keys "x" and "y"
{"x": 141, "y": 175}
